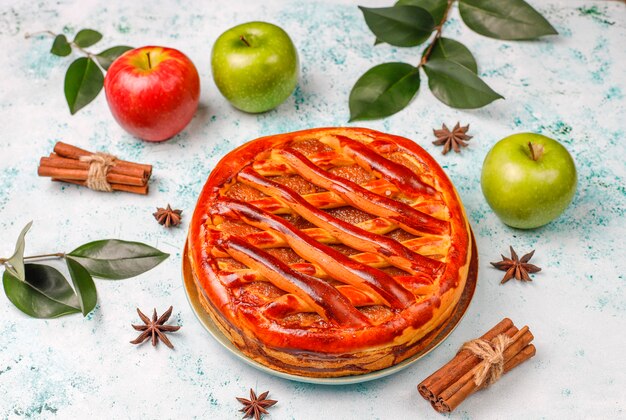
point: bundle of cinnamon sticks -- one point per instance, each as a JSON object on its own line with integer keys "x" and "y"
{"x": 65, "y": 165}
{"x": 449, "y": 386}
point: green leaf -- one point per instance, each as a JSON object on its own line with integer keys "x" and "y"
{"x": 60, "y": 46}
{"x": 15, "y": 264}
{"x": 87, "y": 37}
{"x": 402, "y": 26}
{"x": 436, "y": 8}
{"x": 83, "y": 82}
{"x": 44, "y": 294}
{"x": 107, "y": 57}
{"x": 504, "y": 19}
{"x": 115, "y": 259}
{"x": 449, "y": 49}
{"x": 383, "y": 90}
{"x": 457, "y": 86}
{"x": 84, "y": 286}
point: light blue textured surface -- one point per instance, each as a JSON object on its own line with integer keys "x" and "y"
{"x": 569, "y": 87}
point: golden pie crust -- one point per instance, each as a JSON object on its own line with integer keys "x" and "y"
{"x": 329, "y": 252}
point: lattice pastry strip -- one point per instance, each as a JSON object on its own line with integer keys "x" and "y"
{"x": 401, "y": 176}
{"x": 330, "y": 200}
{"x": 418, "y": 285}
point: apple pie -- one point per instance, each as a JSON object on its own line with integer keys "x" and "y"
{"x": 329, "y": 252}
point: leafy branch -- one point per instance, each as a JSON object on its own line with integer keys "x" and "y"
{"x": 84, "y": 77}
{"x": 451, "y": 68}
{"x": 42, "y": 291}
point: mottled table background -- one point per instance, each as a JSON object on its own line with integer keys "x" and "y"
{"x": 569, "y": 87}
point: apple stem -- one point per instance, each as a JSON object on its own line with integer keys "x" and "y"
{"x": 149, "y": 63}
{"x": 536, "y": 150}
{"x": 245, "y": 41}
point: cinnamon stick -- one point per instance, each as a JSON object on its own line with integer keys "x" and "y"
{"x": 445, "y": 389}
{"x": 143, "y": 190}
{"x": 65, "y": 165}
{"x": 528, "y": 352}
{"x": 57, "y": 161}
{"x": 432, "y": 386}
{"x": 73, "y": 152}
{"x": 449, "y": 403}
{"x": 465, "y": 366}
{"x": 466, "y": 385}
{"x": 82, "y": 174}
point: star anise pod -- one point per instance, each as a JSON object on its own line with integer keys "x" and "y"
{"x": 168, "y": 216}
{"x": 516, "y": 267}
{"x": 154, "y": 328}
{"x": 452, "y": 139}
{"x": 255, "y": 406}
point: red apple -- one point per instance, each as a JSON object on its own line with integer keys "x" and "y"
{"x": 152, "y": 92}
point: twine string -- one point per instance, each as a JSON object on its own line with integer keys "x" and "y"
{"x": 492, "y": 354}
{"x": 99, "y": 165}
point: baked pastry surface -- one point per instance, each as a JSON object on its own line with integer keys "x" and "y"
{"x": 329, "y": 252}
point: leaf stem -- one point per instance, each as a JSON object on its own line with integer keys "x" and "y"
{"x": 30, "y": 35}
{"x": 439, "y": 28}
{"x": 87, "y": 53}
{"x": 90, "y": 55}
{"x": 45, "y": 256}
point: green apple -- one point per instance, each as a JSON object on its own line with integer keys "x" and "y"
{"x": 528, "y": 180}
{"x": 255, "y": 66}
